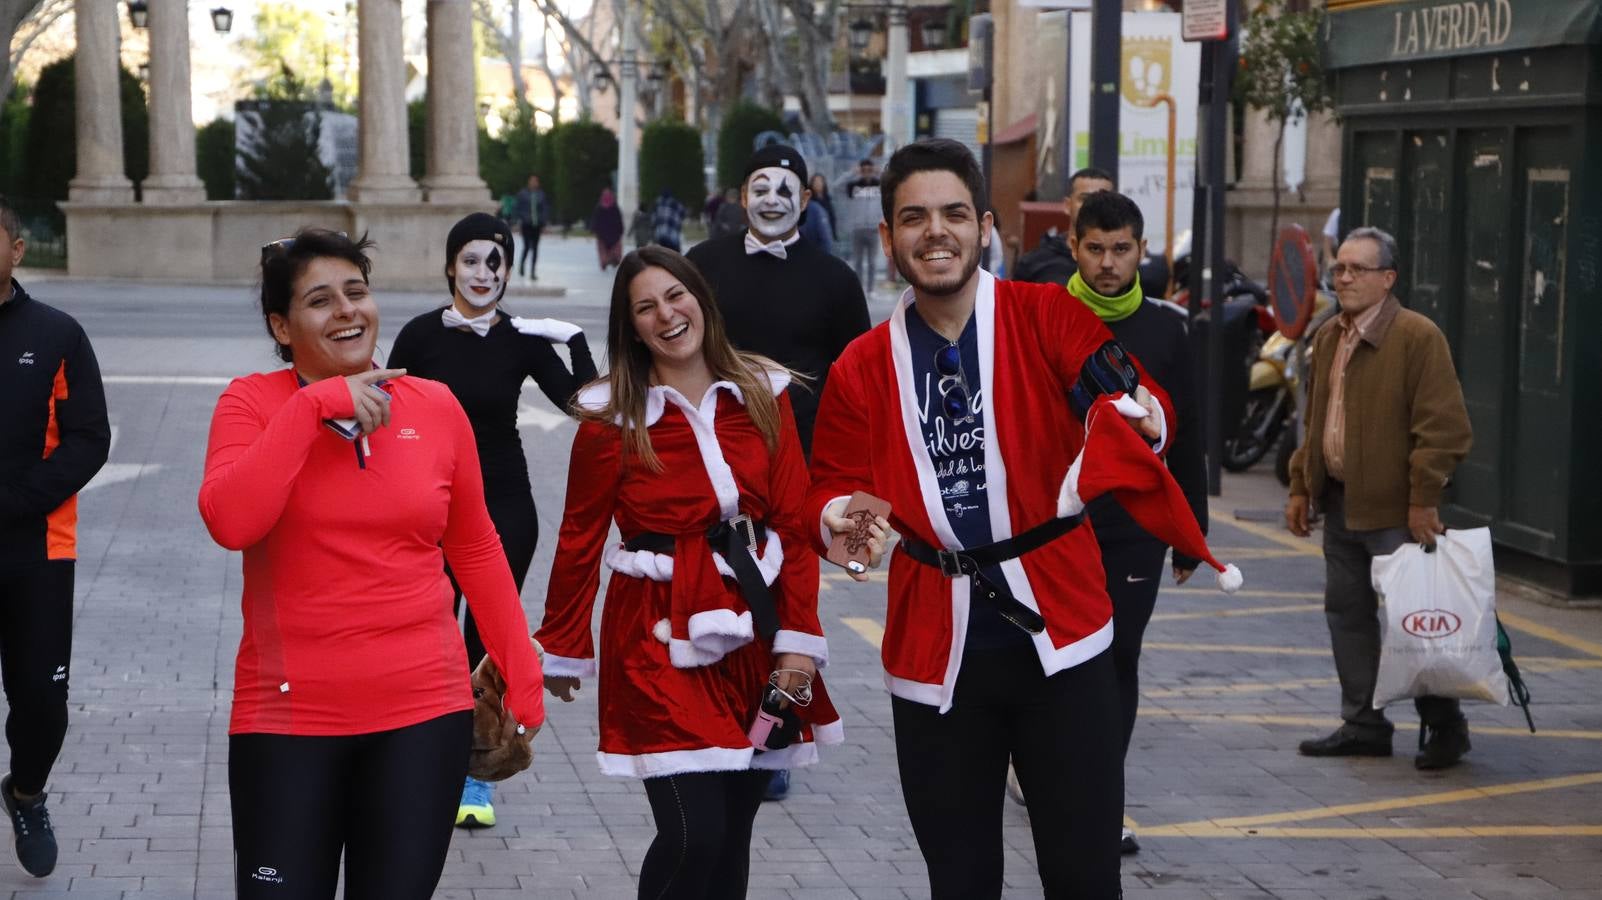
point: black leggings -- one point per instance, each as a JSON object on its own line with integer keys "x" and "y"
{"x": 1062, "y": 735}
{"x": 35, "y": 653}
{"x": 1134, "y": 573}
{"x": 531, "y": 247}
{"x": 702, "y": 849}
{"x": 518, "y": 524}
{"x": 387, "y": 800}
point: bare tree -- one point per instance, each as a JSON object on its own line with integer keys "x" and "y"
{"x": 21, "y": 23}
{"x": 509, "y": 40}
{"x": 807, "y": 67}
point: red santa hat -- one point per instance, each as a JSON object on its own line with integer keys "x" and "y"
{"x": 1116, "y": 459}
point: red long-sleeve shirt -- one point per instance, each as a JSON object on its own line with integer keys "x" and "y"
{"x": 348, "y": 626}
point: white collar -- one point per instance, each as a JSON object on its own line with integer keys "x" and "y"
{"x": 595, "y": 397}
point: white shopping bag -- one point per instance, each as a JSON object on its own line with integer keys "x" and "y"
{"x": 1440, "y": 621}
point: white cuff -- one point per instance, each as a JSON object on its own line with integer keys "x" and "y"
{"x": 554, "y": 330}
{"x": 813, "y": 645}
{"x": 828, "y": 536}
{"x": 568, "y": 666}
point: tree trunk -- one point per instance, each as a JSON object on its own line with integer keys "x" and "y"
{"x": 1279, "y": 145}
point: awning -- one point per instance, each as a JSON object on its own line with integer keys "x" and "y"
{"x": 1373, "y": 32}
{"x": 1020, "y": 130}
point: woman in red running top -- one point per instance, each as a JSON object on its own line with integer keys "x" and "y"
{"x": 343, "y": 484}
{"x": 692, "y": 449}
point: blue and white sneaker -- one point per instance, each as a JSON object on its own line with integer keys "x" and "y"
{"x": 778, "y": 785}
{"x": 476, "y": 811}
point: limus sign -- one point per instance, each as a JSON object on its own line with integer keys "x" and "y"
{"x": 1370, "y": 32}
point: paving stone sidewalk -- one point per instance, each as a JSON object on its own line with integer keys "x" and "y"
{"x": 1224, "y": 806}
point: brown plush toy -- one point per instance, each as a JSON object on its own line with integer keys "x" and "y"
{"x": 497, "y": 753}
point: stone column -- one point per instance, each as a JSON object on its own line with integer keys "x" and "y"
{"x": 896, "y": 111}
{"x": 452, "y": 106}
{"x": 385, "y": 162}
{"x": 100, "y": 177}
{"x": 1257, "y": 151}
{"x": 1323, "y": 153}
{"x": 172, "y": 177}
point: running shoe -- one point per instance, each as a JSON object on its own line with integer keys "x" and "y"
{"x": 476, "y": 810}
{"x": 1127, "y": 843}
{"x": 36, "y": 840}
{"x": 778, "y": 785}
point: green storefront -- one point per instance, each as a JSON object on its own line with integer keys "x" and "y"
{"x": 1465, "y": 129}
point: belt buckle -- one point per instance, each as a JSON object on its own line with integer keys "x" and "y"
{"x": 742, "y": 524}
{"x": 950, "y": 563}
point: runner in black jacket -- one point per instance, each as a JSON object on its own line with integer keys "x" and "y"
{"x": 54, "y": 437}
{"x": 1108, "y": 246}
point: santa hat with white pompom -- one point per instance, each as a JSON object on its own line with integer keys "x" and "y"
{"x": 1116, "y": 460}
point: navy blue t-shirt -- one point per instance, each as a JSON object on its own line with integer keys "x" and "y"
{"x": 957, "y": 450}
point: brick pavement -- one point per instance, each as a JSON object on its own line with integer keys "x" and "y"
{"x": 1225, "y": 807}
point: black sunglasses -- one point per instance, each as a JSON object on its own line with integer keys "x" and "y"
{"x": 955, "y": 398}
{"x": 284, "y": 245}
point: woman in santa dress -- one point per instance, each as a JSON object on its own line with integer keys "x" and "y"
{"x": 691, "y": 447}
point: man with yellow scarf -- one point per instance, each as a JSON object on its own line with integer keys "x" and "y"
{"x": 1108, "y": 243}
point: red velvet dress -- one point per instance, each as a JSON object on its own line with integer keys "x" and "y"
{"x": 681, "y": 670}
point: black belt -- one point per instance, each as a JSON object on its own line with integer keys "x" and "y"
{"x": 737, "y": 540}
{"x": 956, "y": 563}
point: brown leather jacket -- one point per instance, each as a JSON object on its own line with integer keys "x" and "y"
{"x": 1406, "y": 425}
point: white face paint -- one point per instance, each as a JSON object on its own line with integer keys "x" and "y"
{"x": 773, "y": 202}
{"x": 480, "y": 273}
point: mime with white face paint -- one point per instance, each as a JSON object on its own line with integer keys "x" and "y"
{"x": 783, "y": 297}
{"x": 484, "y": 355}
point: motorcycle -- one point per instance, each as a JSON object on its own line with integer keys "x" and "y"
{"x": 1269, "y": 418}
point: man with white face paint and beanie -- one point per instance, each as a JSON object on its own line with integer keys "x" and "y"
{"x": 784, "y": 298}
{"x": 483, "y": 355}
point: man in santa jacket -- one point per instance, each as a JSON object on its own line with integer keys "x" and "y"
{"x": 957, "y": 412}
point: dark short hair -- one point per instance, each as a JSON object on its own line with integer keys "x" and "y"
{"x": 1092, "y": 173}
{"x": 930, "y": 155}
{"x": 284, "y": 260}
{"x": 1109, "y": 211}
{"x": 10, "y": 221}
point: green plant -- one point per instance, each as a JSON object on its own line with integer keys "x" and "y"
{"x": 214, "y": 158}
{"x": 584, "y": 156}
{"x": 1281, "y": 72}
{"x": 737, "y": 139}
{"x": 52, "y": 137}
{"x": 671, "y": 157}
{"x": 13, "y": 139}
{"x": 417, "y": 135}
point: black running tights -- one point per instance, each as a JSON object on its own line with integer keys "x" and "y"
{"x": 1062, "y": 734}
{"x": 35, "y": 652}
{"x": 702, "y": 849}
{"x": 519, "y": 527}
{"x": 387, "y": 800}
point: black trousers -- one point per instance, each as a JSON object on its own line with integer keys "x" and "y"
{"x": 518, "y": 524}
{"x": 1061, "y": 733}
{"x": 386, "y": 800}
{"x": 702, "y": 849}
{"x": 35, "y": 658}
{"x": 1134, "y": 573}
{"x": 1352, "y": 610}
{"x": 531, "y": 246}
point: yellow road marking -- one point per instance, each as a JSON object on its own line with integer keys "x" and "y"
{"x": 1413, "y": 802}
{"x": 1274, "y": 595}
{"x": 1546, "y": 632}
{"x": 1204, "y": 690}
{"x": 1384, "y": 833}
{"x": 1234, "y": 648}
{"x": 1278, "y": 535}
{"x": 871, "y": 631}
{"x": 1236, "y": 554}
{"x": 1232, "y": 613}
{"x": 1321, "y": 722}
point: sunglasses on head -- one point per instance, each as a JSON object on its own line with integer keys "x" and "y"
{"x": 284, "y": 245}
{"x": 955, "y": 398}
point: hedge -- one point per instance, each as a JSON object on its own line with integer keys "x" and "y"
{"x": 737, "y": 139}
{"x": 671, "y": 157}
{"x": 52, "y": 144}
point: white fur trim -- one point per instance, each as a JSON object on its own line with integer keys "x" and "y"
{"x": 674, "y": 762}
{"x": 662, "y": 630}
{"x": 1069, "y": 503}
{"x": 554, "y": 330}
{"x": 706, "y": 440}
{"x": 813, "y": 645}
{"x": 1055, "y": 659}
{"x": 795, "y": 756}
{"x": 685, "y": 655}
{"x": 829, "y": 733}
{"x": 595, "y": 397}
{"x": 916, "y": 691}
{"x": 719, "y": 631}
{"x": 659, "y": 566}
{"x": 1230, "y": 580}
{"x": 568, "y": 666}
{"x": 823, "y": 530}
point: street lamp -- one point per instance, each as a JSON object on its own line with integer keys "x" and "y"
{"x": 933, "y": 33}
{"x": 138, "y": 13}
{"x": 860, "y": 34}
{"x": 222, "y": 19}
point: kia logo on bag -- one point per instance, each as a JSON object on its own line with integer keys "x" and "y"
{"x": 1431, "y": 623}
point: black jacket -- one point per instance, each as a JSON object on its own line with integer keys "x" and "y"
{"x": 54, "y": 435}
{"x": 1157, "y": 334}
{"x": 1049, "y": 263}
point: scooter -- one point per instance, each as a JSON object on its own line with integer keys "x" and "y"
{"x": 1269, "y": 419}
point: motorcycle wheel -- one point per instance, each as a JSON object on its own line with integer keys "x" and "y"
{"x": 1282, "y": 457}
{"x": 1244, "y": 449}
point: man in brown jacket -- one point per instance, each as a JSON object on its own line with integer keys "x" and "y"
{"x": 1386, "y": 426}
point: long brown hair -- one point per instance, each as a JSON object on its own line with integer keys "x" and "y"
{"x": 629, "y": 359}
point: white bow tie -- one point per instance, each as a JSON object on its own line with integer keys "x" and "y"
{"x": 480, "y": 324}
{"x": 753, "y": 246}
